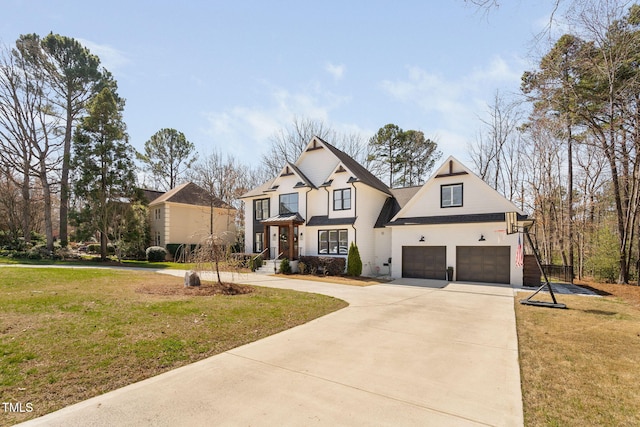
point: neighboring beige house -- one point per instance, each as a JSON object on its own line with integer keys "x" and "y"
{"x": 186, "y": 214}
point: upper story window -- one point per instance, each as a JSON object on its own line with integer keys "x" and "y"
{"x": 157, "y": 213}
{"x": 261, "y": 209}
{"x": 450, "y": 195}
{"x": 288, "y": 203}
{"x": 342, "y": 199}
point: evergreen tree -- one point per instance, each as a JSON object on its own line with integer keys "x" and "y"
{"x": 354, "y": 262}
{"x": 103, "y": 159}
{"x": 384, "y": 151}
{"x": 404, "y": 157}
{"x": 167, "y": 155}
{"x": 73, "y": 76}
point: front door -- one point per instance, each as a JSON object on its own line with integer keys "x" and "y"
{"x": 288, "y": 237}
{"x": 283, "y": 248}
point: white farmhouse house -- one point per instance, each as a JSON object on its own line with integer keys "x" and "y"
{"x": 326, "y": 200}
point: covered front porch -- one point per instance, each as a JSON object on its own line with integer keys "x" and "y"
{"x": 282, "y": 232}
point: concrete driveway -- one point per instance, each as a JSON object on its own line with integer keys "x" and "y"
{"x": 420, "y": 353}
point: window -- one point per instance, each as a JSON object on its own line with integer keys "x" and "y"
{"x": 158, "y": 239}
{"x": 261, "y": 209}
{"x": 451, "y": 195}
{"x": 342, "y": 199}
{"x": 258, "y": 243}
{"x": 288, "y": 203}
{"x": 333, "y": 242}
{"x": 157, "y": 213}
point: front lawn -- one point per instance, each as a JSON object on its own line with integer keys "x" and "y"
{"x": 93, "y": 261}
{"x": 580, "y": 366}
{"x": 70, "y": 334}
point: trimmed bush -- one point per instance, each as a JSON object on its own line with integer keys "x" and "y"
{"x": 332, "y": 266}
{"x": 354, "y": 263}
{"x": 285, "y": 266}
{"x": 156, "y": 253}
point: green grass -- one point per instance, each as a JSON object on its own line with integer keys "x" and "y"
{"x": 91, "y": 261}
{"x": 70, "y": 334}
{"x": 579, "y": 366}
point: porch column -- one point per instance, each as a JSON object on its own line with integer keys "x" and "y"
{"x": 266, "y": 240}
{"x": 291, "y": 245}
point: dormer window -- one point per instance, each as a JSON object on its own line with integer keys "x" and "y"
{"x": 451, "y": 196}
{"x": 342, "y": 199}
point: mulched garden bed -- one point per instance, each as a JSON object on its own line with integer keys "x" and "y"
{"x": 205, "y": 289}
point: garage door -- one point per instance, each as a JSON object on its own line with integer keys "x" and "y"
{"x": 424, "y": 262}
{"x": 483, "y": 264}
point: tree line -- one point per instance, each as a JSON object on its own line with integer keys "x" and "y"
{"x": 566, "y": 151}
{"x": 66, "y": 158}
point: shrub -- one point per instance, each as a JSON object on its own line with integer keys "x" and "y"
{"x": 37, "y": 253}
{"x": 333, "y": 266}
{"x": 354, "y": 263}
{"x": 285, "y": 266}
{"x": 302, "y": 268}
{"x": 156, "y": 253}
{"x": 94, "y": 248}
{"x": 256, "y": 263}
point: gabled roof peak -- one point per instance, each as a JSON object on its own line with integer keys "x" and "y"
{"x": 361, "y": 174}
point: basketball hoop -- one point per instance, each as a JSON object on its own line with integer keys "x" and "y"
{"x": 511, "y": 221}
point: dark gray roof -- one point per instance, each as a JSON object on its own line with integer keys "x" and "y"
{"x": 453, "y": 219}
{"x": 404, "y": 194}
{"x": 393, "y": 204}
{"x": 322, "y": 220}
{"x": 362, "y": 174}
{"x": 390, "y": 208}
{"x": 301, "y": 175}
{"x": 151, "y": 195}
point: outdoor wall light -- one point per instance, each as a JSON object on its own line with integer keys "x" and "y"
{"x": 481, "y": 239}
{"x": 421, "y": 239}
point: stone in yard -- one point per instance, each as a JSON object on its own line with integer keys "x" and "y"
{"x": 191, "y": 278}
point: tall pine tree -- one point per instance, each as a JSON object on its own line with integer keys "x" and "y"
{"x": 104, "y": 164}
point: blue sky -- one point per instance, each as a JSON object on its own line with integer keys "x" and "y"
{"x": 230, "y": 74}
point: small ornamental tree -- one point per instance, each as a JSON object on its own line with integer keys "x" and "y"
{"x": 354, "y": 263}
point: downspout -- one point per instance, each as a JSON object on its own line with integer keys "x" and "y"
{"x": 328, "y": 200}
{"x": 306, "y": 219}
{"x": 355, "y": 214}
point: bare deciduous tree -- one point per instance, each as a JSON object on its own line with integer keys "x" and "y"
{"x": 288, "y": 143}
{"x": 29, "y": 137}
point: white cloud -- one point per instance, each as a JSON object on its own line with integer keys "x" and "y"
{"x": 337, "y": 71}
{"x": 451, "y": 106}
{"x": 246, "y": 130}
{"x": 111, "y": 58}
{"x": 497, "y": 71}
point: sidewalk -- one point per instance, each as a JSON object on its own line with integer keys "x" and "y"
{"x": 398, "y": 355}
